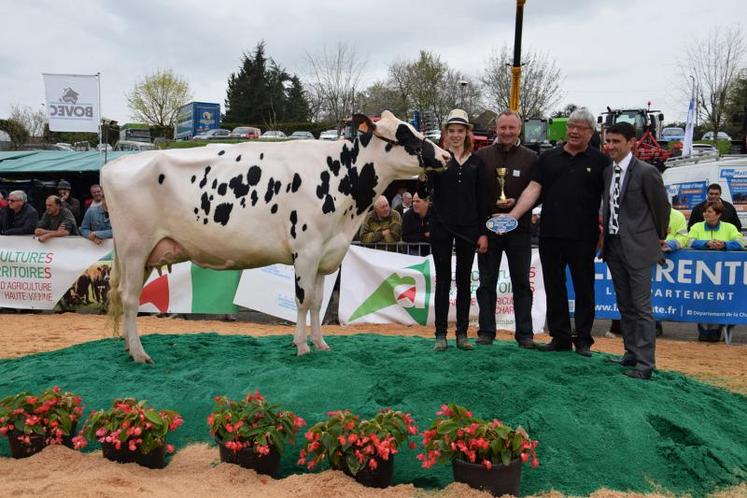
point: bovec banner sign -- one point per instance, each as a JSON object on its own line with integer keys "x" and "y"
{"x": 72, "y": 102}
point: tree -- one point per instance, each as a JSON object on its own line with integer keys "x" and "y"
{"x": 17, "y": 132}
{"x": 714, "y": 63}
{"x": 33, "y": 121}
{"x": 263, "y": 93}
{"x": 157, "y": 98}
{"x": 540, "y": 87}
{"x": 736, "y": 109}
{"x": 380, "y": 97}
{"x": 431, "y": 87}
{"x": 334, "y": 80}
{"x": 565, "y": 111}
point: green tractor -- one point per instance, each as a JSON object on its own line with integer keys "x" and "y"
{"x": 542, "y": 134}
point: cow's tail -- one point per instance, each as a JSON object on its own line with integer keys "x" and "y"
{"x": 115, "y": 296}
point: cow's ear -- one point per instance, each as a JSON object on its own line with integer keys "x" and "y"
{"x": 363, "y": 123}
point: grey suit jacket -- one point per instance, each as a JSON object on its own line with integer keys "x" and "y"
{"x": 644, "y": 213}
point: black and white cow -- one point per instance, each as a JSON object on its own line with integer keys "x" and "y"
{"x": 250, "y": 205}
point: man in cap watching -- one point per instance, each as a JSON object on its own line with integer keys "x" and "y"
{"x": 68, "y": 201}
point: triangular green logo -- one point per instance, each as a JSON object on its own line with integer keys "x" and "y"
{"x": 386, "y": 295}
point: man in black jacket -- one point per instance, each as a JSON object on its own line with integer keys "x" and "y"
{"x": 416, "y": 226}
{"x": 517, "y": 166}
{"x": 18, "y": 217}
{"x": 714, "y": 194}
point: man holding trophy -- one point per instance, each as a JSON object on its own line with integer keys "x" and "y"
{"x": 507, "y": 168}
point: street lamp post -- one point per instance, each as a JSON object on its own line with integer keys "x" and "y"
{"x": 462, "y": 88}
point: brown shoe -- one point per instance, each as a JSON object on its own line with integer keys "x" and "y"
{"x": 463, "y": 343}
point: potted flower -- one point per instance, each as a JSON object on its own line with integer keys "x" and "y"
{"x": 131, "y": 431}
{"x": 252, "y": 433}
{"x": 31, "y": 422}
{"x": 363, "y": 449}
{"x": 484, "y": 454}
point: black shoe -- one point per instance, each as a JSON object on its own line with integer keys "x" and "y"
{"x": 638, "y": 374}
{"x": 553, "y": 346}
{"x": 464, "y": 344}
{"x": 624, "y": 362}
{"x": 583, "y": 350}
{"x": 484, "y": 340}
{"x": 527, "y": 344}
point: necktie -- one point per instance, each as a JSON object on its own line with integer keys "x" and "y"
{"x": 614, "y": 224}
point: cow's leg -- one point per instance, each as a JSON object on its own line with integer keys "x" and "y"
{"x": 133, "y": 278}
{"x": 315, "y": 307}
{"x": 306, "y": 266}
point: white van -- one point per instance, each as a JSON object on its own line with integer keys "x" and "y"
{"x": 688, "y": 184}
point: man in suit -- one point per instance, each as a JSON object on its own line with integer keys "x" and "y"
{"x": 635, "y": 208}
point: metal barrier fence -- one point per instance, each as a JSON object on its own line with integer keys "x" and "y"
{"x": 411, "y": 248}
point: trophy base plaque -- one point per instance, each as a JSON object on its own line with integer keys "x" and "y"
{"x": 501, "y": 224}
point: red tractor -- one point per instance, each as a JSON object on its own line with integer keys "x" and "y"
{"x": 647, "y": 124}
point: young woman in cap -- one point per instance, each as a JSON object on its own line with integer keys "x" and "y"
{"x": 455, "y": 225}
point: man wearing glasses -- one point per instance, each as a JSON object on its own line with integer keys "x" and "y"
{"x": 568, "y": 180}
{"x": 18, "y": 217}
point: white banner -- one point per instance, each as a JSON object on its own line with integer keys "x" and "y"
{"x": 35, "y": 275}
{"x": 272, "y": 290}
{"x": 72, "y": 102}
{"x": 384, "y": 287}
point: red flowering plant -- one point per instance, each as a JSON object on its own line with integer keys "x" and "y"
{"x": 52, "y": 415}
{"x": 131, "y": 424}
{"x": 457, "y": 434}
{"x": 253, "y": 423}
{"x": 344, "y": 439}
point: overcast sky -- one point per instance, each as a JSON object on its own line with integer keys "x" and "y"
{"x": 617, "y": 53}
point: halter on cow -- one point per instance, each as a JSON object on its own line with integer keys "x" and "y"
{"x": 251, "y": 205}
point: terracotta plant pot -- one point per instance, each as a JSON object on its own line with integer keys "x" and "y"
{"x": 500, "y": 480}
{"x": 156, "y": 459}
{"x": 262, "y": 464}
{"x": 19, "y": 449}
{"x": 381, "y": 477}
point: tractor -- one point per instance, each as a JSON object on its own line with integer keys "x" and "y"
{"x": 647, "y": 124}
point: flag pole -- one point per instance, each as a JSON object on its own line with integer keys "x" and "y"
{"x": 101, "y": 121}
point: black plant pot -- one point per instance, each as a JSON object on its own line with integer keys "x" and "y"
{"x": 262, "y": 464}
{"x": 19, "y": 449}
{"x": 156, "y": 459}
{"x": 381, "y": 477}
{"x": 500, "y": 480}
{"x": 68, "y": 440}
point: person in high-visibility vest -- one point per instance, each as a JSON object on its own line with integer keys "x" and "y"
{"x": 714, "y": 234}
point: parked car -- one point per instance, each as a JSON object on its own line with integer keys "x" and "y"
{"x": 132, "y": 145}
{"x": 301, "y": 135}
{"x": 102, "y": 147}
{"x": 64, "y": 146}
{"x": 672, "y": 134}
{"x": 433, "y": 135}
{"x": 704, "y": 150}
{"x": 329, "y": 135}
{"x": 248, "y": 132}
{"x": 213, "y": 134}
{"x": 273, "y": 135}
{"x": 721, "y": 136}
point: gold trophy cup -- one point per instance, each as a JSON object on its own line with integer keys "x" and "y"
{"x": 501, "y": 174}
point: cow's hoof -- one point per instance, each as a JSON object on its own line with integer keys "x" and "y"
{"x": 303, "y": 349}
{"x": 322, "y": 346}
{"x": 141, "y": 358}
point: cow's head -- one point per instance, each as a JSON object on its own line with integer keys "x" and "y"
{"x": 397, "y": 133}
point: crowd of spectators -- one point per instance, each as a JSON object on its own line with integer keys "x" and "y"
{"x": 61, "y": 217}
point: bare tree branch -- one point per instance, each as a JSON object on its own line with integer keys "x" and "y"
{"x": 714, "y": 62}
{"x": 335, "y": 78}
{"x": 540, "y": 89}
{"x": 33, "y": 121}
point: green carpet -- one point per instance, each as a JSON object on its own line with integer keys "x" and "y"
{"x": 596, "y": 427}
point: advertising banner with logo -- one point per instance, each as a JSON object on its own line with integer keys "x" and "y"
{"x": 383, "y": 287}
{"x": 692, "y": 286}
{"x": 72, "y": 102}
{"x": 272, "y": 290}
{"x": 35, "y": 275}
